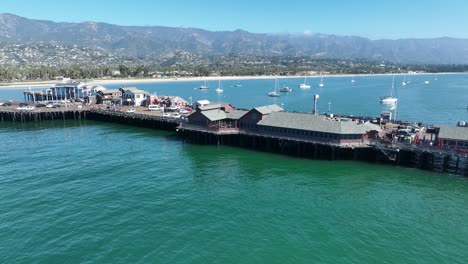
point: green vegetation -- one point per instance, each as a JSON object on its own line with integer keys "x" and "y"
{"x": 221, "y": 65}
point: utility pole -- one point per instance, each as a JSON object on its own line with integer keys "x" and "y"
{"x": 316, "y": 97}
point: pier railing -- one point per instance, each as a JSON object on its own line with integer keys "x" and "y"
{"x": 415, "y": 147}
{"x": 215, "y": 130}
{"x": 336, "y": 143}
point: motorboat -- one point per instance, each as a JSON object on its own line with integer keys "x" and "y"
{"x": 286, "y": 89}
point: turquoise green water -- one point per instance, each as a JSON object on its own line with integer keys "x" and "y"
{"x": 100, "y": 193}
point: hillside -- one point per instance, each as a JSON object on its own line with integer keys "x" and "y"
{"x": 155, "y": 42}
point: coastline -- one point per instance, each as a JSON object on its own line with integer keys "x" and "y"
{"x": 37, "y": 84}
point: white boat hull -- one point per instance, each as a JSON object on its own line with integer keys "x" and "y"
{"x": 388, "y": 101}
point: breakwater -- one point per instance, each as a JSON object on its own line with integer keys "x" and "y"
{"x": 430, "y": 159}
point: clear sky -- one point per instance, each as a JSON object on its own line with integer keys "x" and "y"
{"x": 374, "y": 19}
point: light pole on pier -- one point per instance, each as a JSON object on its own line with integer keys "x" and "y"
{"x": 316, "y": 97}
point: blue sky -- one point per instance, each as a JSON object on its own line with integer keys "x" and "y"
{"x": 374, "y": 19}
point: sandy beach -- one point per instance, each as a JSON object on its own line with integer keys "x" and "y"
{"x": 22, "y": 85}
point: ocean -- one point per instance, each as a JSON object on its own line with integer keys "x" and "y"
{"x": 80, "y": 191}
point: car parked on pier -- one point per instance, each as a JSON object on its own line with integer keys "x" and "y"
{"x": 184, "y": 111}
{"x": 155, "y": 108}
{"x": 26, "y": 108}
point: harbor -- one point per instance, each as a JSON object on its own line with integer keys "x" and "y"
{"x": 271, "y": 129}
{"x": 233, "y": 132}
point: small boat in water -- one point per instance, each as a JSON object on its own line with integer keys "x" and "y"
{"x": 220, "y": 87}
{"x": 321, "y": 82}
{"x": 275, "y": 92}
{"x": 389, "y": 99}
{"x": 286, "y": 89}
{"x": 304, "y": 85}
{"x": 204, "y": 86}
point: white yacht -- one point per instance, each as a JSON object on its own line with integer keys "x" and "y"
{"x": 286, "y": 89}
{"x": 321, "y": 84}
{"x": 304, "y": 85}
{"x": 204, "y": 86}
{"x": 389, "y": 99}
{"x": 220, "y": 87}
{"x": 275, "y": 92}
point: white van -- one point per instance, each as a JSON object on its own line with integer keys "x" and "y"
{"x": 154, "y": 108}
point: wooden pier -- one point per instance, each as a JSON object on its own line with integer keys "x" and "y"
{"x": 425, "y": 158}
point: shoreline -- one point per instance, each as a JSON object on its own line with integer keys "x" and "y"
{"x": 38, "y": 84}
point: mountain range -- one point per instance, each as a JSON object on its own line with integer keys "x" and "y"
{"x": 163, "y": 42}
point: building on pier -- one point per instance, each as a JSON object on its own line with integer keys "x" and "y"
{"x": 453, "y": 137}
{"x": 109, "y": 97}
{"x": 170, "y": 101}
{"x": 215, "y": 118}
{"x": 272, "y": 121}
{"x": 70, "y": 90}
{"x": 316, "y": 128}
{"x": 133, "y": 96}
{"x": 257, "y": 114}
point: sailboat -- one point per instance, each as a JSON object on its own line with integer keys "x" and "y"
{"x": 321, "y": 82}
{"x": 404, "y": 81}
{"x": 275, "y": 92}
{"x": 435, "y": 77}
{"x": 389, "y": 99}
{"x": 353, "y": 80}
{"x": 220, "y": 87}
{"x": 304, "y": 85}
{"x": 204, "y": 85}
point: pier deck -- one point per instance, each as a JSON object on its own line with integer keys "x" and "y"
{"x": 424, "y": 157}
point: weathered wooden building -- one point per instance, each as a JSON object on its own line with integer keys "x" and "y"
{"x": 453, "y": 137}
{"x": 250, "y": 119}
{"x": 316, "y": 128}
{"x": 109, "y": 97}
{"x": 213, "y": 118}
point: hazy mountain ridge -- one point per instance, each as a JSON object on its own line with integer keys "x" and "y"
{"x": 157, "y": 42}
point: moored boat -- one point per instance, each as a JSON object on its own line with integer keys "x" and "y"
{"x": 286, "y": 89}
